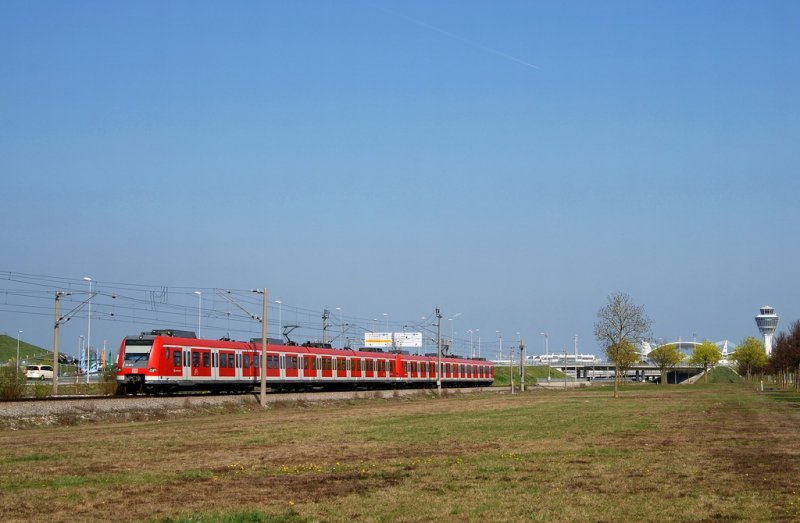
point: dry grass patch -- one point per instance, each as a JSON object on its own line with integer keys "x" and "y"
{"x": 669, "y": 453}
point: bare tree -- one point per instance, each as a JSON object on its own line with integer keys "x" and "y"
{"x": 785, "y": 359}
{"x": 619, "y": 324}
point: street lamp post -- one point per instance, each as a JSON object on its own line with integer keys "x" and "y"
{"x": 386, "y": 314}
{"x": 89, "y": 330}
{"x": 500, "y": 344}
{"x": 81, "y": 355}
{"x": 18, "y": 333}
{"x": 199, "y": 311}
{"x": 565, "y": 370}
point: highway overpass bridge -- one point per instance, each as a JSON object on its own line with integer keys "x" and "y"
{"x": 598, "y": 371}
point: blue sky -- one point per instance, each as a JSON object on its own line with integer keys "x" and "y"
{"x": 515, "y": 162}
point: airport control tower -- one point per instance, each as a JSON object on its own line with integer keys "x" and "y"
{"x": 767, "y": 322}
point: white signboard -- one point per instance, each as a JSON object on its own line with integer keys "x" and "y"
{"x": 408, "y": 339}
{"x": 387, "y": 340}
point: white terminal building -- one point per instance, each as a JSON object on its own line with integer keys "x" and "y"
{"x": 767, "y": 322}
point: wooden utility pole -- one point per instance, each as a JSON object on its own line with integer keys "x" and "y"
{"x": 438, "y": 352}
{"x": 55, "y": 345}
{"x": 510, "y": 364}
{"x": 325, "y": 315}
{"x": 264, "y": 352}
{"x": 521, "y": 365}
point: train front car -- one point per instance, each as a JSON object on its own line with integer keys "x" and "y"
{"x": 141, "y": 367}
{"x": 133, "y": 362}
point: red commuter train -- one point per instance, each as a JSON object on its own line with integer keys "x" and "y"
{"x": 163, "y": 361}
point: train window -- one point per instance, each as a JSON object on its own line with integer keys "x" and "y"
{"x": 246, "y": 361}
{"x": 294, "y": 362}
{"x": 195, "y": 359}
{"x": 283, "y": 361}
{"x": 206, "y": 359}
{"x": 176, "y": 357}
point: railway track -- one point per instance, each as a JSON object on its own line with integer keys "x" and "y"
{"x": 82, "y": 405}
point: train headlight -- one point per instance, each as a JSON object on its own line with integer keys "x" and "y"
{"x": 151, "y": 370}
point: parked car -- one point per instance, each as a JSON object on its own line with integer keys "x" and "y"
{"x": 39, "y": 372}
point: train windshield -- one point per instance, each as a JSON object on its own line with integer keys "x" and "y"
{"x": 137, "y": 353}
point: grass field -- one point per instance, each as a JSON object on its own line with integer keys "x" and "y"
{"x": 533, "y": 374}
{"x": 668, "y": 453}
{"x": 27, "y": 352}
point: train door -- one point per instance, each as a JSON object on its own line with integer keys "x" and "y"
{"x": 282, "y": 367}
{"x": 172, "y": 362}
{"x": 200, "y": 363}
{"x": 186, "y": 364}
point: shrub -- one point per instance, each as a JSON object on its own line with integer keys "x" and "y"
{"x": 108, "y": 382}
{"x": 12, "y": 382}
{"x": 42, "y": 390}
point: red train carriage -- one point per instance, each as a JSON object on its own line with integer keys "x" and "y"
{"x": 170, "y": 360}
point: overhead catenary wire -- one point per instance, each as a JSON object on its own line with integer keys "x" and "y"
{"x": 145, "y": 307}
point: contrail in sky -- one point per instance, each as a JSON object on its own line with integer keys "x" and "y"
{"x": 459, "y": 38}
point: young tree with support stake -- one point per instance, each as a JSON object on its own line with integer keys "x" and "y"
{"x": 750, "y": 357}
{"x": 620, "y": 325}
{"x": 665, "y": 357}
{"x": 706, "y": 354}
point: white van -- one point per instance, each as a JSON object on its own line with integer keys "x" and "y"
{"x": 39, "y": 372}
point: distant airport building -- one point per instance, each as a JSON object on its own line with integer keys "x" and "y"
{"x": 687, "y": 347}
{"x": 563, "y": 358}
{"x": 767, "y": 322}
